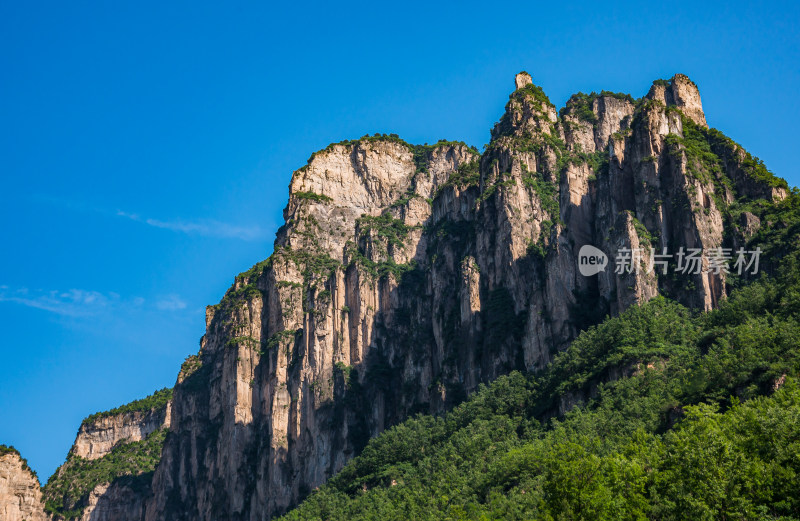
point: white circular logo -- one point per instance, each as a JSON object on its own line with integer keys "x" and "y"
{"x": 591, "y": 260}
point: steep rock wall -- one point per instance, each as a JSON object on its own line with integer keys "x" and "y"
{"x": 407, "y": 275}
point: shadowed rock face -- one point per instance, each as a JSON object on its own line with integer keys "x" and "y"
{"x": 20, "y": 497}
{"x": 118, "y": 501}
{"x": 405, "y": 276}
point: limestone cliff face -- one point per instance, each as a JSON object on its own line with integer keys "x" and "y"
{"x": 96, "y": 438}
{"x": 405, "y": 276}
{"x": 108, "y": 472}
{"x": 20, "y": 496}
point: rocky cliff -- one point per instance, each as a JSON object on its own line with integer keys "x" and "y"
{"x": 20, "y": 497}
{"x": 108, "y": 472}
{"x": 98, "y": 436}
{"x": 406, "y": 275}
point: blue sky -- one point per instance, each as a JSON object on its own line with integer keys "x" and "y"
{"x": 146, "y": 148}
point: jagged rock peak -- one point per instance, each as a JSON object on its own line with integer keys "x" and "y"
{"x": 373, "y": 172}
{"x": 680, "y": 92}
{"x": 522, "y": 79}
{"x": 528, "y": 111}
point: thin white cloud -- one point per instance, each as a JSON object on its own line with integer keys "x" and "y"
{"x": 73, "y": 303}
{"x": 201, "y": 227}
{"x": 204, "y": 227}
{"x": 83, "y": 303}
{"x": 171, "y": 303}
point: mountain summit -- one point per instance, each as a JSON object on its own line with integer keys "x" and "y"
{"x": 405, "y": 276}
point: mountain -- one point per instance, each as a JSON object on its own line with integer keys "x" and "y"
{"x": 20, "y": 497}
{"x": 109, "y": 469}
{"x": 408, "y": 276}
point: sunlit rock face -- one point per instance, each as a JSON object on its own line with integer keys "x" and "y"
{"x": 20, "y": 497}
{"x": 405, "y": 276}
{"x": 96, "y": 438}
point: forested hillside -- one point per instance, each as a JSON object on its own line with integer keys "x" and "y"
{"x": 655, "y": 414}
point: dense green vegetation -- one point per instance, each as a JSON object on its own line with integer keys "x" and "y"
{"x": 380, "y": 269}
{"x": 67, "y": 491}
{"x": 580, "y": 104}
{"x": 5, "y": 449}
{"x": 311, "y": 263}
{"x": 781, "y": 238}
{"x": 466, "y": 175}
{"x": 393, "y": 231}
{"x": 546, "y": 190}
{"x": 157, "y": 400}
{"x": 534, "y": 92}
{"x": 656, "y": 414}
{"x": 706, "y": 150}
{"x": 645, "y": 237}
{"x": 724, "y": 146}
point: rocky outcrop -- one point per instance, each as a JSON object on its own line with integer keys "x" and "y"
{"x": 680, "y": 92}
{"x": 523, "y": 79}
{"x": 20, "y": 496}
{"x": 96, "y": 438}
{"x": 405, "y": 276}
{"x": 108, "y": 472}
{"x": 278, "y": 358}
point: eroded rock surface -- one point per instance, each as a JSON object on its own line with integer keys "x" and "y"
{"x": 95, "y": 439}
{"x": 20, "y": 496}
{"x": 407, "y": 275}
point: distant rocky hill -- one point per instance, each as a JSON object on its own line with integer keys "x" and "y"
{"x": 109, "y": 469}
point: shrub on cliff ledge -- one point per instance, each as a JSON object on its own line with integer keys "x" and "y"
{"x": 157, "y": 400}
{"x": 311, "y": 196}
